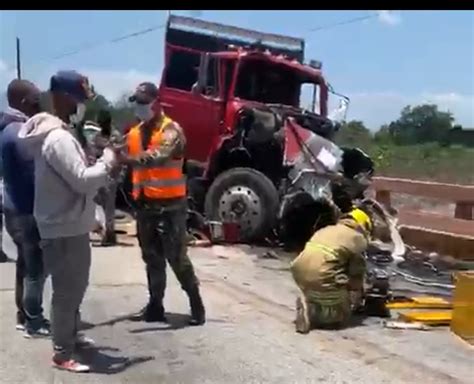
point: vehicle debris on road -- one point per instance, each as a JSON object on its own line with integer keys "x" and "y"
{"x": 404, "y": 325}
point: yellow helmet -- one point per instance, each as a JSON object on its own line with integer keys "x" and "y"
{"x": 362, "y": 219}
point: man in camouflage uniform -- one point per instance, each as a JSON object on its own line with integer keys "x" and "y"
{"x": 107, "y": 195}
{"x": 156, "y": 153}
{"x": 330, "y": 273}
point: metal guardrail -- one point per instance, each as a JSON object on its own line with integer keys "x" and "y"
{"x": 433, "y": 232}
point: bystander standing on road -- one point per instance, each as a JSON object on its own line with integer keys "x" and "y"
{"x": 156, "y": 149}
{"x": 18, "y": 169}
{"x": 65, "y": 186}
{"x": 107, "y": 195}
{"x": 3, "y": 256}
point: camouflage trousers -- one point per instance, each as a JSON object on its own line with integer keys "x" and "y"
{"x": 328, "y": 309}
{"x": 162, "y": 237}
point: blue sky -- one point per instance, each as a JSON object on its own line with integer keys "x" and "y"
{"x": 382, "y": 63}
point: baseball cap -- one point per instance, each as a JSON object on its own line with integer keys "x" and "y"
{"x": 144, "y": 93}
{"x": 72, "y": 83}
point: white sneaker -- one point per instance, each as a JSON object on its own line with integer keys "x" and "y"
{"x": 40, "y": 333}
{"x": 20, "y": 327}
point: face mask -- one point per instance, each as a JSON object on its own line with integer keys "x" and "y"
{"x": 143, "y": 111}
{"x": 77, "y": 117}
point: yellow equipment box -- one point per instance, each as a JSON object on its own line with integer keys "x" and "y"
{"x": 462, "y": 323}
{"x": 428, "y": 317}
{"x": 422, "y": 302}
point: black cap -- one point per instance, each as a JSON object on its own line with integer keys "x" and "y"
{"x": 145, "y": 93}
{"x": 72, "y": 83}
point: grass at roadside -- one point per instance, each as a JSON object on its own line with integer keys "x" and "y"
{"x": 422, "y": 162}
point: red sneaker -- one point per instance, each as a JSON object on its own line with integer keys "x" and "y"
{"x": 71, "y": 366}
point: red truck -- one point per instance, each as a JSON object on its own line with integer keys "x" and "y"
{"x": 252, "y": 151}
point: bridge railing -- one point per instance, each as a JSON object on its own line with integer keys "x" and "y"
{"x": 433, "y": 231}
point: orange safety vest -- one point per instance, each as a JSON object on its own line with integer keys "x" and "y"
{"x": 165, "y": 181}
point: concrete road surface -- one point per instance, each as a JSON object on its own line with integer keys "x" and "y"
{"x": 249, "y": 336}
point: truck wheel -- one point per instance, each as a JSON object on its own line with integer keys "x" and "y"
{"x": 246, "y": 196}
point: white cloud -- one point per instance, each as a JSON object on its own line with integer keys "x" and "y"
{"x": 110, "y": 83}
{"x": 7, "y": 73}
{"x": 377, "y": 108}
{"x": 374, "y": 108}
{"x": 114, "y": 83}
{"x": 3, "y": 66}
{"x": 389, "y": 17}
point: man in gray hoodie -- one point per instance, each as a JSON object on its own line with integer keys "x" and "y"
{"x": 65, "y": 186}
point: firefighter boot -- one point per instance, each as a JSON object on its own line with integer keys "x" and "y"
{"x": 198, "y": 313}
{"x": 302, "y": 322}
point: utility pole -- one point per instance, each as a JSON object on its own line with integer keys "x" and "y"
{"x": 18, "y": 59}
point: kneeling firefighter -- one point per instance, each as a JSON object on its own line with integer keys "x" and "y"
{"x": 330, "y": 272}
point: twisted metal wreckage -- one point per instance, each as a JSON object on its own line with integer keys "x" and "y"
{"x": 321, "y": 181}
{"x": 258, "y": 163}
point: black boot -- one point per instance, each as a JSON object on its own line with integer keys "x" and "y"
{"x": 198, "y": 313}
{"x": 109, "y": 239}
{"x": 3, "y": 257}
{"x": 151, "y": 313}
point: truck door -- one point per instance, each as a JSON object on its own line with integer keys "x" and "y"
{"x": 195, "y": 105}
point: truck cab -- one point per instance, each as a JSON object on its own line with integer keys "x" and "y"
{"x": 208, "y": 77}
{"x": 237, "y": 95}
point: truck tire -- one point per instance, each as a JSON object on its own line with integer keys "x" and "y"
{"x": 246, "y": 196}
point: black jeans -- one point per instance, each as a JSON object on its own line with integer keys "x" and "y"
{"x": 29, "y": 269}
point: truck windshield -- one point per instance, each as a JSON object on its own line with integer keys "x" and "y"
{"x": 267, "y": 82}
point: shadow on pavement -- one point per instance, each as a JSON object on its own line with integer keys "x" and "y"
{"x": 106, "y": 364}
{"x": 175, "y": 321}
{"x": 97, "y": 244}
{"x": 357, "y": 320}
{"x": 85, "y": 325}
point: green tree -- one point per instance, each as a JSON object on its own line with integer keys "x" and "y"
{"x": 421, "y": 124}
{"x": 121, "y": 110}
{"x": 95, "y": 105}
{"x": 353, "y": 133}
{"x": 122, "y": 113}
{"x": 383, "y": 136}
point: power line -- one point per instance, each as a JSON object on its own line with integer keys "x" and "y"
{"x": 114, "y": 40}
{"x": 344, "y": 22}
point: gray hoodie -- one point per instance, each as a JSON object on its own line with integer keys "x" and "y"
{"x": 64, "y": 183}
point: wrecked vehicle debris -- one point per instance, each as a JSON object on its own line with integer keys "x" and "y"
{"x": 255, "y": 158}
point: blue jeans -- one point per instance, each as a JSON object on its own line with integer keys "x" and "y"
{"x": 30, "y": 272}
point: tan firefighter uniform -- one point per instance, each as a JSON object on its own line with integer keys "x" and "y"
{"x": 331, "y": 265}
